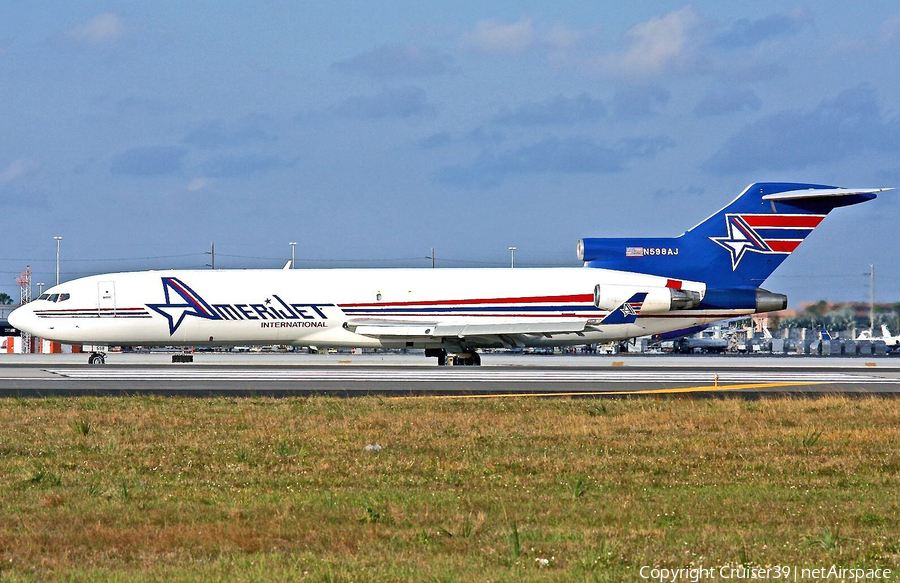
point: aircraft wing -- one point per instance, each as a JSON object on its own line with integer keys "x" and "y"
{"x": 397, "y": 329}
{"x": 508, "y": 333}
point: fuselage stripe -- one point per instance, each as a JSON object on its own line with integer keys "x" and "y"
{"x": 472, "y": 309}
{"x": 685, "y": 314}
{"x": 522, "y": 300}
{"x": 93, "y": 310}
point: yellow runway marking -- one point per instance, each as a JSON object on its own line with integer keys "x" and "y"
{"x": 676, "y": 390}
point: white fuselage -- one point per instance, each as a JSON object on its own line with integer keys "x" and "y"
{"x": 323, "y": 307}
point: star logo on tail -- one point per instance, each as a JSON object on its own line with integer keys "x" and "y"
{"x": 741, "y": 238}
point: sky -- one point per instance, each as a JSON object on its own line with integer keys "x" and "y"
{"x": 369, "y": 133}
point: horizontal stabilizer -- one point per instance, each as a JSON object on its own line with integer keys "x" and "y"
{"x": 822, "y": 192}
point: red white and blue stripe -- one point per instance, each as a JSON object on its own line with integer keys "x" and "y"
{"x": 765, "y": 233}
{"x": 569, "y": 306}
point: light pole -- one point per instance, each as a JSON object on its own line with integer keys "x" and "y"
{"x": 872, "y": 301}
{"x": 58, "y": 239}
{"x": 293, "y": 245}
{"x": 512, "y": 257}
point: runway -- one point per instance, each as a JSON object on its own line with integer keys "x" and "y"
{"x": 267, "y": 375}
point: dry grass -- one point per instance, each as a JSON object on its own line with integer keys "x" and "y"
{"x": 257, "y": 488}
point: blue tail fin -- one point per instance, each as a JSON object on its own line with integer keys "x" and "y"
{"x": 739, "y": 246}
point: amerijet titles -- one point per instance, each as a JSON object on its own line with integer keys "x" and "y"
{"x": 269, "y": 310}
{"x": 273, "y": 312}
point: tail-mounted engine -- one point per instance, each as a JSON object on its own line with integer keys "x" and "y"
{"x": 659, "y": 299}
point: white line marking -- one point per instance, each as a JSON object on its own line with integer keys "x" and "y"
{"x": 466, "y": 375}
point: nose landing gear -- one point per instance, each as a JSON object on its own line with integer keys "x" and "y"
{"x": 468, "y": 359}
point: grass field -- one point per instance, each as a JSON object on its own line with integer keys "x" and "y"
{"x": 485, "y": 489}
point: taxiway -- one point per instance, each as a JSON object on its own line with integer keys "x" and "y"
{"x": 409, "y": 375}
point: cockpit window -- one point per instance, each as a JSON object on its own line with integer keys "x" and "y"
{"x": 54, "y": 297}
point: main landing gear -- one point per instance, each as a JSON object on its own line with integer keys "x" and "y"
{"x": 100, "y": 358}
{"x": 439, "y": 353}
{"x": 471, "y": 358}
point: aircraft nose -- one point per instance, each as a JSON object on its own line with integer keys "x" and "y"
{"x": 20, "y": 318}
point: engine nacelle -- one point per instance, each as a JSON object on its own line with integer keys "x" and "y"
{"x": 759, "y": 300}
{"x": 659, "y": 299}
{"x": 767, "y": 301}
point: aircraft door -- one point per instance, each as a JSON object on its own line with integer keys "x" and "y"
{"x": 106, "y": 298}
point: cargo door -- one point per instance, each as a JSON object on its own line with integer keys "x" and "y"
{"x": 106, "y": 299}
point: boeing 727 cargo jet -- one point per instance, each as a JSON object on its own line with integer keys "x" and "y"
{"x": 628, "y": 287}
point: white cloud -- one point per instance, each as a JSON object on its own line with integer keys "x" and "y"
{"x": 491, "y": 36}
{"x": 17, "y": 169}
{"x": 684, "y": 43}
{"x": 100, "y": 30}
{"x": 659, "y": 43}
{"x": 887, "y": 33}
{"x": 200, "y": 183}
{"x": 890, "y": 28}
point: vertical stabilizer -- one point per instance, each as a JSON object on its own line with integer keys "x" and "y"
{"x": 739, "y": 246}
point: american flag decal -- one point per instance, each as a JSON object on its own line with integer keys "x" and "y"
{"x": 634, "y": 252}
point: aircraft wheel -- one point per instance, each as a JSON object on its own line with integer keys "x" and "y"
{"x": 96, "y": 358}
{"x": 473, "y": 359}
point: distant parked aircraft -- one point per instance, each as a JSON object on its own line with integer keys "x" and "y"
{"x": 892, "y": 342}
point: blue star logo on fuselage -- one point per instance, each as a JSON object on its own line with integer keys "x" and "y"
{"x": 190, "y": 304}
